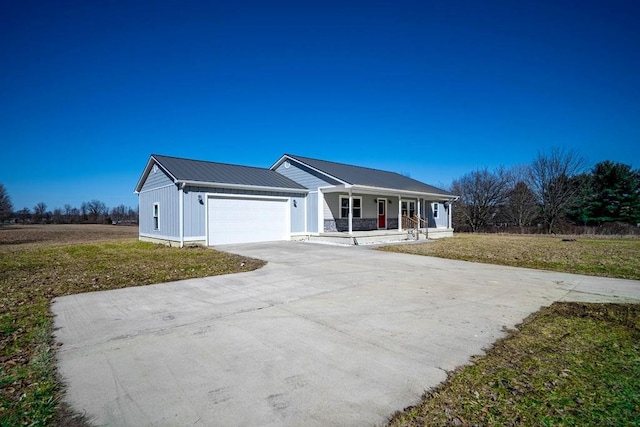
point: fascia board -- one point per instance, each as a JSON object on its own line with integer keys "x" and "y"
{"x": 391, "y": 192}
{"x": 280, "y": 160}
{"x": 243, "y": 186}
{"x": 152, "y": 160}
{"x": 144, "y": 175}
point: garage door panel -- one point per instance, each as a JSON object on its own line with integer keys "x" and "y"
{"x": 244, "y": 220}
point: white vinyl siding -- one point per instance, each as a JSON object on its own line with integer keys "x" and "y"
{"x": 168, "y": 214}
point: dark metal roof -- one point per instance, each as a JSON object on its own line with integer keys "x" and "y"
{"x": 223, "y": 173}
{"x": 357, "y": 175}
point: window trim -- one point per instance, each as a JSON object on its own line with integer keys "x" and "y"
{"x": 156, "y": 216}
{"x": 408, "y": 203}
{"x": 359, "y": 208}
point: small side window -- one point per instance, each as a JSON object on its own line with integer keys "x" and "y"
{"x": 435, "y": 210}
{"x": 156, "y": 216}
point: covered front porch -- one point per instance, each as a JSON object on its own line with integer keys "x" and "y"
{"x": 349, "y": 209}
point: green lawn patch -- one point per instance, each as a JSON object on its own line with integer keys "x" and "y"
{"x": 568, "y": 365}
{"x": 31, "y": 275}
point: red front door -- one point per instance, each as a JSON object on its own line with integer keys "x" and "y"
{"x": 382, "y": 213}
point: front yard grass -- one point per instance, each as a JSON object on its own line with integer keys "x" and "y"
{"x": 33, "y": 272}
{"x": 594, "y": 256}
{"x": 568, "y": 365}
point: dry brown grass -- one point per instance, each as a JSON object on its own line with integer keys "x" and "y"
{"x": 39, "y": 263}
{"x": 596, "y": 256}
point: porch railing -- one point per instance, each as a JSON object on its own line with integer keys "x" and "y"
{"x": 415, "y": 226}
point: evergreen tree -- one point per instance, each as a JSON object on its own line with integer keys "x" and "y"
{"x": 614, "y": 195}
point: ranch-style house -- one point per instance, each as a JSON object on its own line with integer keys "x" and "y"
{"x": 187, "y": 202}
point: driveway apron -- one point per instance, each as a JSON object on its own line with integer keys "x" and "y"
{"x": 322, "y": 335}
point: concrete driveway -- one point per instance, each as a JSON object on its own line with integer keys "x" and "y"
{"x": 322, "y": 335}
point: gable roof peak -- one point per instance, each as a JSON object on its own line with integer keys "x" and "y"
{"x": 204, "y": 172}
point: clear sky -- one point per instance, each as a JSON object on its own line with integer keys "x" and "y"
{"x": 432, "y": 89}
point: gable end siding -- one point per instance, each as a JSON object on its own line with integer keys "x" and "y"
{"x": 156, "y": 180}
{"x": 305, "y": 176}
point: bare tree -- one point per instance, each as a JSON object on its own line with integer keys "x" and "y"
{"x": 481, "y": 193}
{"x": 551, "y": 179}
{"x": 6, "y": 207}
{"x": 56, "y": 216}
{"x": 95, "y": 209}
{"x": 39, "y": 211}
{"x": 118, "y": 213}
{"x": 24, "y": 214}
{"x": 67, "y": 212}
{"x": 74, "y": 215}
{"x": 83, "y": 211}
{"x": 521, "y": 206}
{"x": 132, "y": 214}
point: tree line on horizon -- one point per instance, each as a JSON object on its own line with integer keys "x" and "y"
{"x": 91, "y": 212}
{"x": 555, "y": 193}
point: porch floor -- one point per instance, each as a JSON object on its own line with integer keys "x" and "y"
{"x": 362, "y": 237}
{"x": 371, "y": 237}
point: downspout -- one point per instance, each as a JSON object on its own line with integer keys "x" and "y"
{"x": 306, "y": 225}
{"x": 181, "y": 214}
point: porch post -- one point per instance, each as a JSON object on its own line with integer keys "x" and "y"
{"x": 350, "y": 212}
{"x": 419, "y": 202}
{"x": 449, "y": 215}
{"x": 399, "y": 213}
{"x": 181, "y": 214}
{"x": 320, "y": 212}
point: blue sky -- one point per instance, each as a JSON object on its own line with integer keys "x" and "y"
{"x": 432, "y": 89}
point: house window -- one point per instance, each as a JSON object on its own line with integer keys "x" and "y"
{"x": 409, "y": 208}
{"x": 344, "y": 207}
{"x": 435, "y": 210}
{"x": 156, "y": 216}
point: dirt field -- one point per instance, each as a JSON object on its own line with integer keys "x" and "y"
{"x": 23, "y": 236}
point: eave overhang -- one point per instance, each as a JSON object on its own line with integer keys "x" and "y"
{"x": 209, "y": 184}
{"x": 379, "y": 191}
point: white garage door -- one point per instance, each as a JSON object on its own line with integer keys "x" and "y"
{"x": 246, "y": 219}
